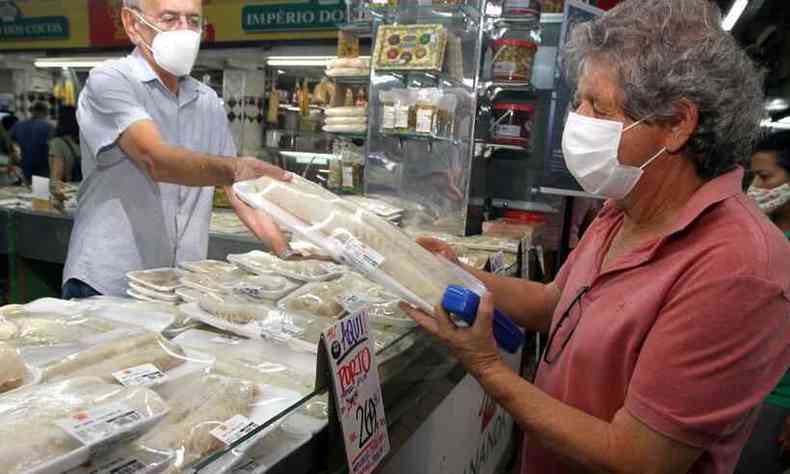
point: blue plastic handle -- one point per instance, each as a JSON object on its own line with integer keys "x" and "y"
{"x": 463, "y": 303}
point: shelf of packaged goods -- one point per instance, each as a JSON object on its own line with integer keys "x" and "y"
{"x": 425, "y": 13}
{"x": 425, "y": 78}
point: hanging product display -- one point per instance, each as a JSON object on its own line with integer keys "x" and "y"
{"x": 410, "y": 47}
{"x": 512, "y": 124}
{"x": 513, "y": 59}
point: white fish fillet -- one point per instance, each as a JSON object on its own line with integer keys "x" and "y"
{"x": 104, "y": 359}
{"x": 198, "y": 407}
{"x": 27, "y": 417}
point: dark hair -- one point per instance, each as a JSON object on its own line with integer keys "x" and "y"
{"x": 779, "y": 143}
{"x": 67, "y": 123}
{"x": 40, "y": 109}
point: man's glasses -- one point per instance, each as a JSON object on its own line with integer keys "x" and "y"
{"x": 549, "y": 356}
{"x": 172, "y": 21}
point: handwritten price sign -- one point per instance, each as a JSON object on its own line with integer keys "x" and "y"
{"x": 357, "y": 389}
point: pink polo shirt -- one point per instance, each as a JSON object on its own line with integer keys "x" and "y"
{"x": 689, "y": 333}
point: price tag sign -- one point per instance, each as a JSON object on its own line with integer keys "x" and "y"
{"x": 233, "y": 429}
{"x": 93, "y": 426}
{"x": 139, "y": 376}
{"x": 357, "y": 389}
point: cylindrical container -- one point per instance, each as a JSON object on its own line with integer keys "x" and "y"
{"x": 512, "y": 124}
{"x": 521, "y": 8}
{"x": 513, "y": 59}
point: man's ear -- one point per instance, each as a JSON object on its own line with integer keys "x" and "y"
{"x": 130, "y": 25}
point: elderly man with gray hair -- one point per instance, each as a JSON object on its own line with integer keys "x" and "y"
{"x": 154, "y": 143}
{"x": 668, "y": 324}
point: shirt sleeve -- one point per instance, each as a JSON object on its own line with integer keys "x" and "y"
{"x": 717, "y": 348}
{"x": 107, "y": 107}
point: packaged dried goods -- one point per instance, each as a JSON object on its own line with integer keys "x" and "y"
{"x": 513, "y": 59}
{"x": 410, "y": 47}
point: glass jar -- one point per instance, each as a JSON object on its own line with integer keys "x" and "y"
{"x": 512, "y": 124}
{"x": 521, "y": 8}
{"x": 513, "y": 59}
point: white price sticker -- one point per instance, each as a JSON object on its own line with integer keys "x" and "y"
{"x": 93, "y": 426}
{"x": 498, "y": 262}
{"x": 139, "y": 376}
{"x": 233, "y": 429}
{"x": 362, "y": 256}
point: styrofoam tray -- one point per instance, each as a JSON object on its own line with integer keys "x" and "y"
{"x": 139, "y": 296}
{"x": 207, "y": 266}
{"x": 151, "y": 319}
{"x": 189, "y": 294}
{"x": 168, "y": 297}
{"x": 148, "y": 279}
{"x": 263, "y": 263}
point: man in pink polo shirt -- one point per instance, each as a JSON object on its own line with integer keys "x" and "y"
{"x": 668, "y": 324}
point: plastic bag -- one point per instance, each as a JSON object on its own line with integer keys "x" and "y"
{"x": 235, "y": 307}
{"x": 159, "y": 279}
{"x": 357, "y": 237}
{"x": 32, "y": 422}
{"x": 269, "y": 287}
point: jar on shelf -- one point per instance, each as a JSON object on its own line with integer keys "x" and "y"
{"x": 512, "y": 124}
{"x": 513, "y": 59}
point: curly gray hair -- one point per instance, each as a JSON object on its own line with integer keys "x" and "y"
{"x": 664, "y": 51}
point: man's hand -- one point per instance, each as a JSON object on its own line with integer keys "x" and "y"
{"x": 247, "y": 168}
{"x": 259, "y": 223}
{"x": 438, "y": 247}
{"x": 474, "y": 347}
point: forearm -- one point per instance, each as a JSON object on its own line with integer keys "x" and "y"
{"x": 177, "y": 165}
{"x": 586, "y": 443}
{"x": 527, "y": 302}
{"x": 55, "y": 169}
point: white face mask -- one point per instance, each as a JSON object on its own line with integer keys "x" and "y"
{"x": 590, "y": 146}
{"x": 770, "y": 200}
{"x": 174, "y": 51}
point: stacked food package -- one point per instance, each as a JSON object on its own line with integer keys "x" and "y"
{"x": 352, "y": 119}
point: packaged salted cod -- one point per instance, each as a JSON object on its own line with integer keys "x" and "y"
{"x": 357, "y": 237}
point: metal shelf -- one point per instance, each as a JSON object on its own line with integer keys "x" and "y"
{"x": 493, "y": 89}
{"x": 434, "y": 78}
{"x": 351, "y": 80}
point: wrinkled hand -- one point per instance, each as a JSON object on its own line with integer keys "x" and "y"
{"x": 438, "y": 247}
{"x": 247, "y": 168}
{"x": 475, "y": 347}
{"x": 784, "y": 438}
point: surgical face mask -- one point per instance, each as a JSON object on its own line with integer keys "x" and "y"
{"x": 590, "y": 146}
{"x": 174, "y": 51}
{"x": 770, "y": 200}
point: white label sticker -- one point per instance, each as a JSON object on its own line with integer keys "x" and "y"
{"x": 352, "y": 302}
{"x": 93, "y": 426}
{"x": 509, "y": 131}
{"x": 498, "y": 262}
{"x": 233, "y": 429}
{"x": 388, "y": 117}
{"x": 504, "y": 67}
{"x": 348, "y": 177}
{"x": 361, "y": 256}
{"x": 424, "y": 121}
{"x": 139, "y": 376}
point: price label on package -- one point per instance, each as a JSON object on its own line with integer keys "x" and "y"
{"x": 498, "y": 262}
{"x": 90, "y": 427}
{"x": 361, "y": 256}
{"x": 234, "y": 429}
{"x": 139, "y": 376}
{"x": 357, "y": 389}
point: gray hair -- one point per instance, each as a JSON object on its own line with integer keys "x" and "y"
{"x": 138, "y": 4}
{"x": 664, "y": 51}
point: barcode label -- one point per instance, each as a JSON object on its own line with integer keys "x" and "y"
{"x": 234, "y": 429}
{"x": 131, "y": 466}
{"x": 361, "y": 256}
{"x": 90, "y": 427}
{"x": 139, "y": 376}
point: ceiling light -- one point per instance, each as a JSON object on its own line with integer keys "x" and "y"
{"x": 734, "y": 14}
{"x": 76, "y": 63}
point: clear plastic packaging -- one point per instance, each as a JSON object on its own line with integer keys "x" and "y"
{"x": 269, "y": 287}
{"x": 14, "y": 372}
{"x": 189, "y": 295}
{"x": 33, "y": 422}
{"x": 235, "y": 307}
{"x": 208, "y": 266}
{"x": 154, "y": 316}
{"x": 359, "y": 238}
{"x": 159, "y": 279}
{"x": 152, "y": 295}
{"x": 106, "y": 359}
{"x": 29, "y": 330}
{"x": 263, "y": 263}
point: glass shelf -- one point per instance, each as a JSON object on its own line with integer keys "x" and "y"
{"x": 422, "y": 137}
{"x": 492, "y": 89}
{"x": 423, "y": 78}
{"x": 426, "y": 13}
{"x": 349, "y": 135}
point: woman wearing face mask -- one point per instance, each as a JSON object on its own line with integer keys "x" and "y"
{"x": 768, "y": 449}
{"x": 667, "y": 326}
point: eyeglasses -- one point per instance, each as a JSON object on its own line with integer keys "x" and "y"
{"x": 548, "y": 357}
{"x": 172, "y": 21}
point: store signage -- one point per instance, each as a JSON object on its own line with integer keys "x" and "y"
{"x": 357, "y": 392}
{"x": 316, "y": 15}
{"x": 18, "y": 27}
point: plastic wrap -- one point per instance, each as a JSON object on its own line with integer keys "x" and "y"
{"x": 154, "y": 316}
{"x": 214, "y": 280}
{"x": 358, "y": 237}
{"x": 14, "y": 372}
{"x": 159, "y": 279}
{"x": 269, "y": 287}
{"x": 235, "y": 307}
{"x": 263, "y": 263}
{"x": 32, "y": 422}
{"x": 136, "y": 290}
{"x": 208, "y": 266}
{"x": 106, "y": 359}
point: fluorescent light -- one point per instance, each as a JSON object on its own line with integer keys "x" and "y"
{"x": 734, "y": 14}
{"x": 776, "y": 104}
{"x": 304, "y": 61}
{"x": 783, "y": 124}
{"x": 78, "y": 63}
